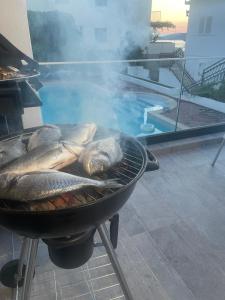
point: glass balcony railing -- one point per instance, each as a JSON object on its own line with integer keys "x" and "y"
{"x": 138, "y": 97}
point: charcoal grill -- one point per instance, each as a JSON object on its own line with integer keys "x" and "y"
{"x": 19, "y": 91}
{"x": 76, "y": 220}
{"x": 10, "y": 56}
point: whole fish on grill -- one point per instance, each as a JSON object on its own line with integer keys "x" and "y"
{"x": 43, "y": 136}
{"x": 53, "y": 156}
{"x": 101, "y": 155}
{"x": 11, "y": 149}
{"x": 81, "y": 134}
{"x": 45, "y": 184}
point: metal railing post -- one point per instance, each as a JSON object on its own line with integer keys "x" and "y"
{"x": 180, "y": 95}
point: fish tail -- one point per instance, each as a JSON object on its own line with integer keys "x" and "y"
{"x": 112, "y": 183}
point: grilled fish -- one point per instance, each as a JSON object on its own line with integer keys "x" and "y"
{"x": 45, "y": 135}
{"x": 100, "y": 155}
{"x": 54, "y": 156}
{"x": 45, "y": 184}
{"x": 11, "y": 149}
{"x": 81, "y": 134}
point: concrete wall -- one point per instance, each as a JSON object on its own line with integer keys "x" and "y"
{"x": 200, "y": 43}
{"x": 161, "y": 48}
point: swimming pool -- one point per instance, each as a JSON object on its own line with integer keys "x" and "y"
{"x": 90, "y": 103}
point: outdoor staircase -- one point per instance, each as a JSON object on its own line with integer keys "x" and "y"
{"x": 178, "y": 69}
{"x": 214, "y": 73}
{"x": 211, "y": 75}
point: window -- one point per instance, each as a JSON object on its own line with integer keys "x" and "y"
{"x": 101, "y": 35}
{"x": 81, "y": 30}
{"x": 201, "y": 25}
{"x": 101, "y": 2}
{"x": 208, "y": 25}
{"x": 205, "y": 25}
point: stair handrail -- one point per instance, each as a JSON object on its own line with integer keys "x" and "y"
{"x": 217, "y": 63}
{"x": 213, "y": 70}
{"x": 207, "y": 79}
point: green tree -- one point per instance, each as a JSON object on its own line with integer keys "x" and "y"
{"x": 160, "y": 25}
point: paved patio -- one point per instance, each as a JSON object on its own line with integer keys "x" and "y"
{"x": 171, "y": 241}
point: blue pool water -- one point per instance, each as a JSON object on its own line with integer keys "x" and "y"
{"x": 81, "y": 103}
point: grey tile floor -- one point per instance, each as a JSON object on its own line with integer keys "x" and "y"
{"x": 171, "y": 239}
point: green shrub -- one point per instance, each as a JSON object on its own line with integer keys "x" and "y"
{"x": 210, "y": 91}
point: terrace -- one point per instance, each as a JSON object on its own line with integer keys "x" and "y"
{"x": 171, "y": 236}
{"x": 172, "y": 231}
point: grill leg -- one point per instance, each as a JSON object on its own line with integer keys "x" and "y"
{"x": 114, "y": 261}
{"x": 114, "y": 228}
{"x": 30, "y": 266}
{"x": 12, "y": 273}
{"x": 23, "y": 255}
{"x": 218, "y": 152}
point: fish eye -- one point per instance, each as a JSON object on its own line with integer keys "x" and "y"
{"x": 2, "y": 153}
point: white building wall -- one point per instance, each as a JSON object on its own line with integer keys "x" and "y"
{"x": 199, "y": 42}
{"x": 118, "y": 16}
{"x": 39, "y": 5}
{"x": 14, "y": 26}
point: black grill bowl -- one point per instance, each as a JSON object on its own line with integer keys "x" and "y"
{"x": 64, "y": 222}
{"x": 75, "y": 220}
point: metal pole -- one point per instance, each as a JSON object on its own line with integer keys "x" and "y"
{"x": 114, "y": 261}
{"x": 32, "y": 254}
{"x": 180, "y": 95}
{"x": 23, "y": 255}
{"x": 218, "y": 152}
{"x": 6, "y": 123}
{"x": 19, "y": 274}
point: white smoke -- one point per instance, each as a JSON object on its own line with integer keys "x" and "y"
{"x": 127, "y": 23}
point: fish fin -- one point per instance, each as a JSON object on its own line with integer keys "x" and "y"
{"x": 81, "y": 156}
{"x": 112, "y": 183}
{"x": 21, "y": 137}
{"x": 14, "y": 181}
{"x": 20, "y": 175}
{"x": 70, "y": 147}
{"x": 50, "y": 126}
{"x": 117, "y": 137}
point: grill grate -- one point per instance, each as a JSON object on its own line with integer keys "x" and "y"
{"x": 127, "y": 170}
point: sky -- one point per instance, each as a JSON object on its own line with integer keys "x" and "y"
{"x": 174, "y": 11}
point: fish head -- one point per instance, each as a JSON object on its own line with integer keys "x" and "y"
{"x": 97, "y": 163}
{"x": 2, "y": 153}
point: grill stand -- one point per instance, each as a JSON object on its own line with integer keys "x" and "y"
{"x": 114, "y": 261}
{"x": 31, "y": 260}
{"x": 20, "y": 272}
{"x": 29, "y": 250}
